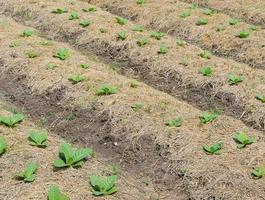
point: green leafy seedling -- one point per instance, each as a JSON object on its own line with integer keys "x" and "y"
{"x": 11, "y": 121}
{"x": 142, "y": 42}
{"x": 213, "y": 149}
{"x": 74, "y": 15}
{"x": 233, "y": 21}
{"x": 13, "y": 44}
{"x": 54, "y": 193}
{"x": 121, "y": 20}
{"x": 3, "y": 145}
{"x": 254, "y": 28}
{"x": 59, "y": 10}
{"x": 32, "y": 54}
{"x": 133, "y": 84}
{"x": 84, "y": 66}
{"x": 163, "y": 49}
{"x": 184, "y": 14}
{"x": 206, "y": 71}
{"x": 27, "y": 33}
{"x": 220, "y": 28}
{"x": 202, "y": 22}
{"x": 38, "y": 139}
{"x": 45, "y": 42}
{"x": 177, "y": 122}
{"x": 234, "y": 79}
{"x": 206, "y": 55}
{"x": 62, "y": 53}
{"x": 84, "y": 23}
{"x": 193, "y": 6}
{"x": 258, "y": 172}
{"x": 180, "y": 42}
{"x": 207, "y": 117}
{"x": 28, "y": 175}
{"x": 76, "y": 78}
{"x": 242, "y": 139}
{"x": 106, "y": 90}
{"x": 140, "y": 2}
{"x": 261, "y": 98}
{"x": 137, "y": 106}
{"x": 89, "y": 9}
{"x": 122, "y": 35}
{"x": 208, "y": 11}
{"x": 70, "y": 157}
{"x": 138, "y": 28}
{"x": 157, "y": 35}
{"x": 243, "y": 34}
{"x": 102, "y": 186}
{"x": 51, "y": 66}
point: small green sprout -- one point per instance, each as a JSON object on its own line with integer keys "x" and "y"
{"x": 220, "y": 28}
{"x": 122, "y": 35}
{"x": 11, "y": 121}
{"x": 84, "y": 66}
{"x": 121, "y": 20}
{"x": 142, "y": 42}
{"x": 74, "y": 15}
{"x": 137, "y": 106}
{"x": 193, "y": 6}
{"x": 103, "y": 30}
{"x": 213, "y": 149}
{"x": 163, "y": 49}
{"x": 233, "y": 21}
{"x": 76, "y": 78}
{"x": 180, "y": 42}
{"x": 32, "y": 54}
{"x": 84, "y": 23}
{"x": 184, "y": 14}
{"x": 177, "y": 122}
{"x": 258, "y": 172}
{"x": 261, "y": 98}
{"x": 45, "y": 42}
{"x": 205, "y": 54}
{"x": 157, "y": 35}
{"x": 138, "y": 28}
{"x": 62, "y": 53}
{"x": 13, "y": 44}
{"x": 59, "y": 10}
{"x": 234, "y": 79}
{"x": 206, "y": 71}
{"x": 89, "y": 9}
{"x": 52, "y": 66}
{"x": 54, "y": 193}
{"x": 243, "y": 34}
{"x": 202, "y": 22}
{"x": 207, "y": 117}
{"x": 38, "y": 139}
{"x": 103, "y": 186}
{"x": 70, "y": 157}
{"x": 27, "y": 33}
{"x": 242, "y": 139}
{"x": 208, "y": 11}
{"x": 28, "y": 175}
{"x": 106, "y": 90}
{"x": 133, "y": 84}
{"x": 3, "y": 145}
{"x": 140, "y": 2}
{"x": 253, "y": 28}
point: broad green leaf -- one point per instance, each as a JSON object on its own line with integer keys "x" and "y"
{"x": 3, "y": 145}
{"x": 54, "y": 193}
{"x": 109, "y": 182}
{"x": 62, "y": 53}
{"x": 82, "y": 153}
{"x": 242, "y": 139}
{"x": 107, "y": 90}
{"x": 213, "y": 149}
{"x": 207, "y": 117}
{"x": 258, "y": 172}
{"x": 30, "y": 178}
{"x": 177, "y": 122}
{"x": 38, "y": 139}
{"x": 11, "y": 121}
{"x": 67, "y": 151}
{"x": 30, "y": 170}
{"x": 60, "y": 163}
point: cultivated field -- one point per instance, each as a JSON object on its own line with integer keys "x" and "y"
{"x": 160, "y": 100}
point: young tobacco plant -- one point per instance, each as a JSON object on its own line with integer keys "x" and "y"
{"x": 51, "y": 66}
{"x": 32, "y": 54}
{"x": 261, "y": 98}
{"x": 242, "y": 139}
{"x": 70, "y": 157}
{"x": 180, "y": 42}
{"x": 89, "y": 9}
{"x": 142, "y": 42}
{"x": 106, "y": 90}
{"x": 27, "y": 33}
{"x": 38, "y": 139}
{"x": 76, "y": 79}
{"x": 258, "y": 172}
{"x": 84, "y": 66}
{"x": 59, "y": 10}
{"x": 74, "y": 15}
{"x": 138, "y": 28}
{"x": 157, "y": 35}
{"x": 208, "y": 11}
{"x": 137, "y": 106}
{"x": 214, "y": 148}
{"x": 84, "y": 23}
{"x": 206, "y": 55}
{"x": 62, "y": 53}
{"x": 184, "y": 14}
{"x": 3, "y": 145}
{"x": 207, "y": 117}
{"x": 243, "y": 34}
{"x": 177, "y": 122}
{"x": 121, "y": 20}
{"x": 102, "y": 186}
{"x": 54, "y": 193}
{"x": 28, "y": 175}
{"x": 163, "y": 49}
{"x": 11, "y": 121}
{"x": 122, "y": 35}
{"x": 202, "y": 22}
{"x": 233, "y": 21}
{"x": 234, "y": 79}
{"x": 141, "y": 2}
{"x": 206, "y": 71}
